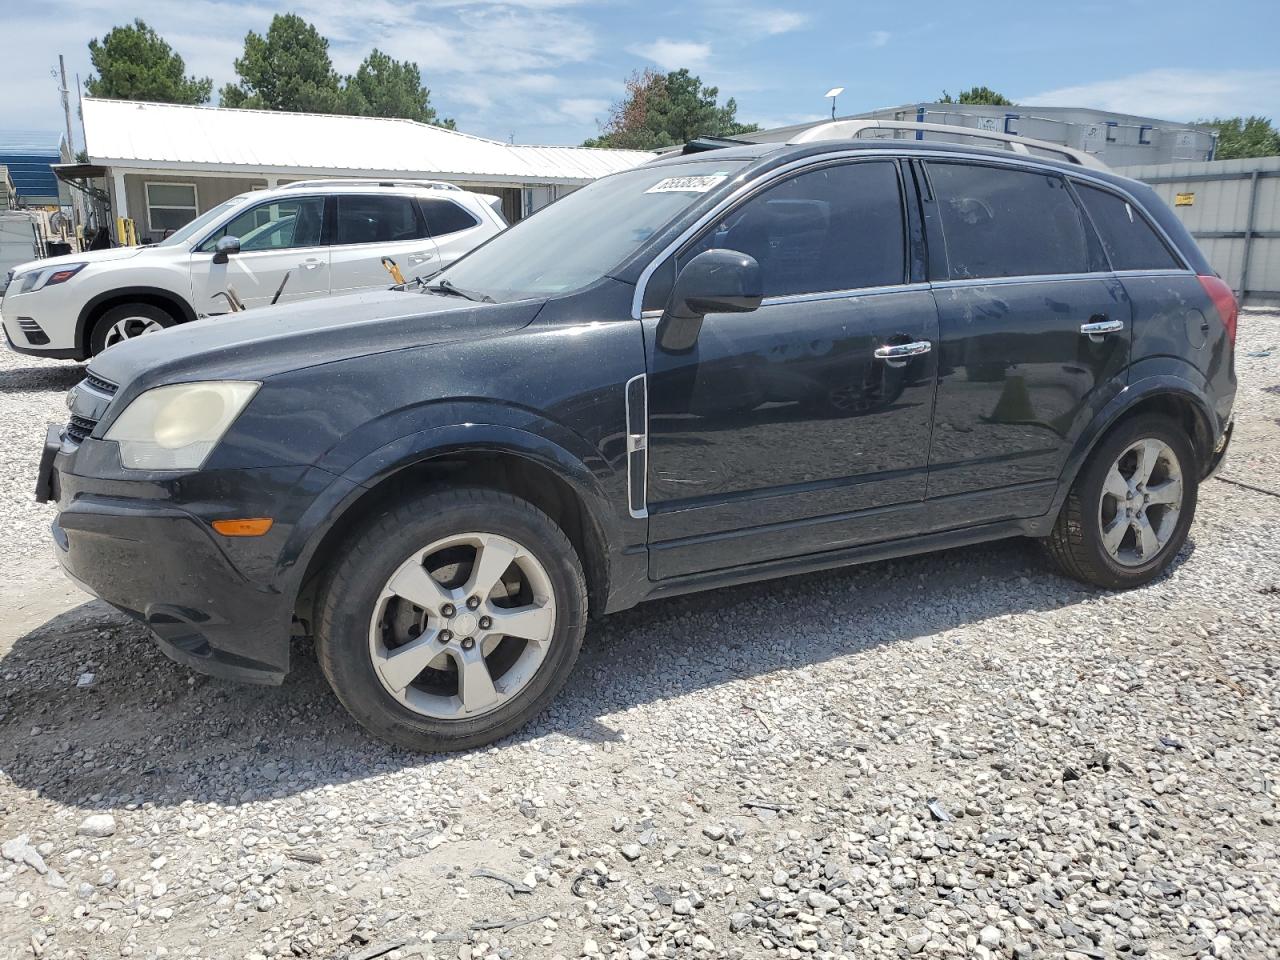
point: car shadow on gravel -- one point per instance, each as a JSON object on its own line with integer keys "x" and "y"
{"x": 35, "y": 379}
{"x": 142, "y": 729}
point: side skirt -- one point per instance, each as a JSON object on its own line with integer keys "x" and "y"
{"x": 864, "y": 553}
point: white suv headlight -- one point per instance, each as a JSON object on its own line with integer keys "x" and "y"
{"x": 176, "y": 427}
{"x": 42, "y": 277}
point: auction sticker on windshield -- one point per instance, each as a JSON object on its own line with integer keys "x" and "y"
{"x": 688, "y": 184}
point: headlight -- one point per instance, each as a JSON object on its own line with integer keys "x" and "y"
{"x": 176, "y": 427}
{"x": 43, "y": 277}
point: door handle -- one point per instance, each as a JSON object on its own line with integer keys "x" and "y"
{"x": 419, "y": 257}
{"x": 309, "y": 264}
{"x": 898, "y": 353}
{"x": 1096, "y": 329}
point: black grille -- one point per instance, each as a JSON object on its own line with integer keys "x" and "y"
{"x": 78, "y": 428}
{"x": 97, "y": 383}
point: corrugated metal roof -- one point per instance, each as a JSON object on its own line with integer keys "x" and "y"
{"x": 120, "y": 133}
{"x": 30, "y": 142}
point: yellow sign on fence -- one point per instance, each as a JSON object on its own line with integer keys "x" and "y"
{"x": 1184, "y": 199}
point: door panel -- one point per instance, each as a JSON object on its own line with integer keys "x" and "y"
{"x": 770, "y": 436}
{"x": 256, "y": 276}
{"x": 1017, "y": 382}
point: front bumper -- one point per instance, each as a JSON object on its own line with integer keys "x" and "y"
{"x": 37, "y": 332}
{"x": 220, "y": 605}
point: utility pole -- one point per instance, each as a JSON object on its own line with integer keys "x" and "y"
{"x": 71, "y": 143}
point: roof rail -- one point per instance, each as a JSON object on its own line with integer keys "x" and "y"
{"x": 370, "y": 182}
{"x": 852, "y": 129}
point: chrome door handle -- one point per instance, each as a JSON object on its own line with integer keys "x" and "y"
{"x": 1097, "y": 328}
{"x": 902, "y": 351}
{"x": 309, "y": 264}
{"x": 419, "y": 257}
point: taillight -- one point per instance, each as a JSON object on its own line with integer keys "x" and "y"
{"x": 1225, "y": 301}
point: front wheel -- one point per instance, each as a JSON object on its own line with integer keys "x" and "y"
{"x": 1129, "y": 511}
{"x": 452, "y": 619}
{"x": 126, "y": 322}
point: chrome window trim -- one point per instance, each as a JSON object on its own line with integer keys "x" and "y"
{"x": 637, "y": 443}
{"x": 1156, "y": 272}
{"x": 1055, "y": 277}
{"x": 848, "y": 294}
{"x": 1013, "y": 162}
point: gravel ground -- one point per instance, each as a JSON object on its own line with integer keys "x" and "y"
{"x": 961, "y": 754}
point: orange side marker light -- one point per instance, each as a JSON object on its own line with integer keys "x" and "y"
{"x": 254, "y": 527}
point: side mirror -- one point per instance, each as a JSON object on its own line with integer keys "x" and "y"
{"x": 715, "y": 281}
{"x": 225, "y": 247}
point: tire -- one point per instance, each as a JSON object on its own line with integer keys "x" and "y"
{"x": 1078, "y": 544}
{"x": 361, "y": 622}
{"x": 127, "y": 321}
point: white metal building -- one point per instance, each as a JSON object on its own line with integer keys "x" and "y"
{"x": 1117, "y": 139}
{"x": 166, "y": 163}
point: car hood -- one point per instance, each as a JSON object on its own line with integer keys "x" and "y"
{"x": 264, "y": 341}
{"x": 89, "y": 256}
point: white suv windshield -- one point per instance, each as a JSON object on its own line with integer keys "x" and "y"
{"x": 580, "y": 238}
{"x": 198, "y": 225}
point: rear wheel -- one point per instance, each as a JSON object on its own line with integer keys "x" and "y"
{"x": 452, "y": 619}
{"x": 125, "y": 322}
{"x": 1128, "y": 514}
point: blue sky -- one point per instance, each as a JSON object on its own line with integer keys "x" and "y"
{"x": 545, "y": 71}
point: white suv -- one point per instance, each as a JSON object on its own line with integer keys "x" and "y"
{"x": 316, "y": 237}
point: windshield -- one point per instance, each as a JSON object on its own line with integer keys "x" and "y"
{"x": 580, "y": 238}
{"x": 198, "y": 225}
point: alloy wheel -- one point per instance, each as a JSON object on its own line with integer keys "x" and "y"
{"x": 1141, "y": 499}
{"x": 462, "y": 626}
{"x": 129, "y": 327}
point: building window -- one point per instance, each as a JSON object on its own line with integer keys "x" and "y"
{"x": 170, "y": 206}
{"x": 1144, "y": 135}
{"x": 1111, "y": 131}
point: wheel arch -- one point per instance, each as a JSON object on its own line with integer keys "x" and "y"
{"x": 167, "y": 300}
{"x": 1175, "y": 397}
{"x": 569, "y": 496}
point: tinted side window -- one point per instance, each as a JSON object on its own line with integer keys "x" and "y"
{"x": 838, "y": 228}
{"x": 377, "y": 219}
{"x": 445, "y": 216}
{"x": 1130, "y": 242}
{"x": 998, "y": 222}
{"x": 275, "y": 225}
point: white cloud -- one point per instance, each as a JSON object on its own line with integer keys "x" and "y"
{"x": 879, "y": 38}
{"x": 1174, "y": 94}
{"x": 674, "y": 54}
{"x": 771, "y": 22}
{"x": 584, "y": 109}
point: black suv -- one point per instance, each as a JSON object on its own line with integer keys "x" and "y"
{"x": 710, "y": 369}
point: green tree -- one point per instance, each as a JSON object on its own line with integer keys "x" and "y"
{"x": 288, "y": 69}
{"x": 135, "y": 63}
{"x": 978, "y": 95}
{"x": 1244, "y": 137}
{"x": 383, "y": 87}
{"x": 660, "y": 109}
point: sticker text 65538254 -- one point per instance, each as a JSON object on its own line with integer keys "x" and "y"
{"x": 688, "y": 184}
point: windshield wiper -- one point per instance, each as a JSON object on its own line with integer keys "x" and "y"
{"x": 446, "y": 286}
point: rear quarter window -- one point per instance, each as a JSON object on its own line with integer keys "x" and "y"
{"x": 1130, "y": 242}
{"x": 1000, "y": 222}
{"x": 445, "y": 216}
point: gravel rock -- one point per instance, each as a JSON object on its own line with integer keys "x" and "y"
{"x": 97, "y": 825}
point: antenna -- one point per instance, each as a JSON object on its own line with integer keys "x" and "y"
{"x": 833, "y": 93}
